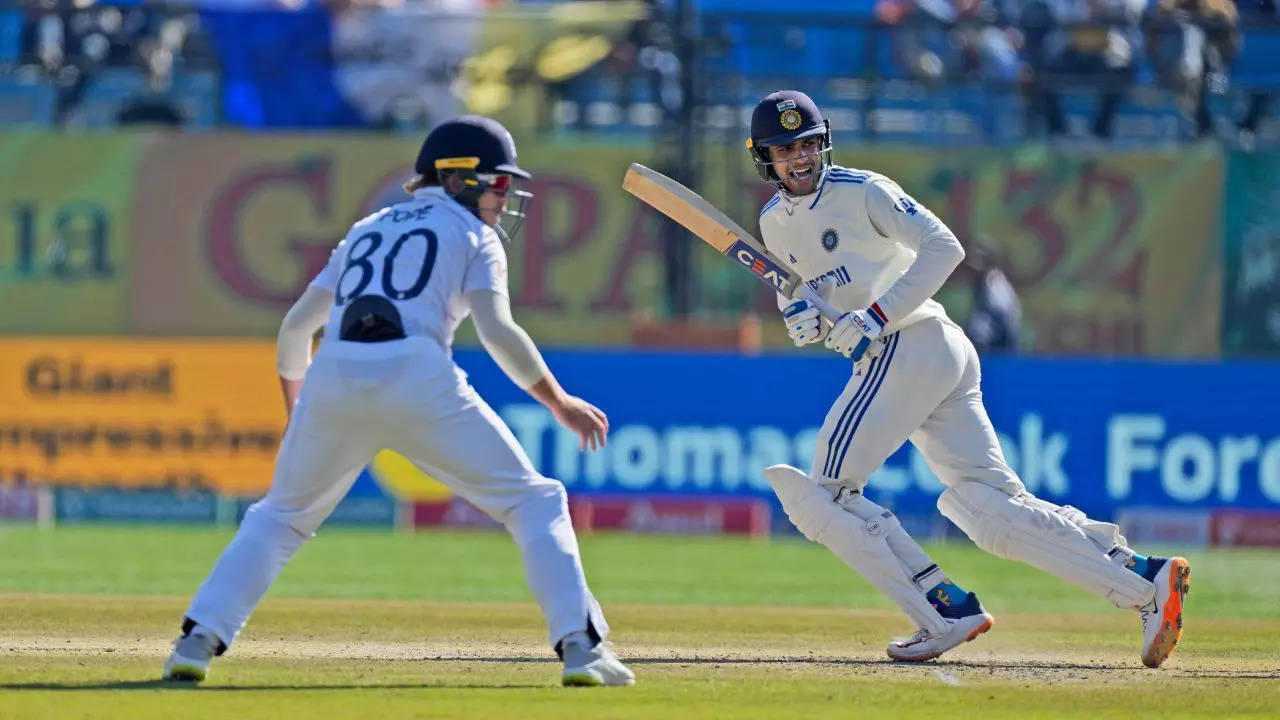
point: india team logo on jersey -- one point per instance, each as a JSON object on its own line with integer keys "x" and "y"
{"x": 830, "y": 239}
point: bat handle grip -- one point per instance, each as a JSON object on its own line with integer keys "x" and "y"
{"x": 824, "y": 307}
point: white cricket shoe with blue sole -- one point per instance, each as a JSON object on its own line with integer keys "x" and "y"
{"x": 963, "y": 624}
{"x": 587, "y": 665}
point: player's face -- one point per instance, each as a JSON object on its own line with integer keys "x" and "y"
{"x": 798, "y": 164}
{"x": 493, "y": 202}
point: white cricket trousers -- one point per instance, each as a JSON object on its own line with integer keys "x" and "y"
{"x": 923, "y": 387}
{"x": 423, "y": 408}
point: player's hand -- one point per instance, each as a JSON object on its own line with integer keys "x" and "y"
{"x": 853, "y": 333}
{"x": 804, "y": 323}
{"x": 873, "y": 351}
{"x": 586, "y": 421}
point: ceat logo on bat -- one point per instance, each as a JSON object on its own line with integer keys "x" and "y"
{"x": 758, "y": 264}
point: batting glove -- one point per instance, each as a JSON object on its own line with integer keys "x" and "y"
{"x": 804, "y": 323}
{"x": 854, "y": 332}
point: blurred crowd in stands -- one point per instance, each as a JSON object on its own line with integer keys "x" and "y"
{"x": 58, "y": 50}
{"x": 1188, "y": 47}
{"x": 86, "y": 63}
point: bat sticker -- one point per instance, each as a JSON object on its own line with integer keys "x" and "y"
{"x": 758, "y": 264}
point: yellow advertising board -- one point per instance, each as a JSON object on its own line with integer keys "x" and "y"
{"x": 145, "y": 413}
{"x": 139, "y": 412}
{"x": 64, "y": 231}
{"x": 225, "y": 250}
{"x": 1118, "y": 253}
{"x": 216, "y": 234}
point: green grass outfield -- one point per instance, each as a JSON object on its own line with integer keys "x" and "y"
{"x": 367, "y": 624}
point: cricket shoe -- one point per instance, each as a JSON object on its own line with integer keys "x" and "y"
{"x": 964, "y": 623}
{"x": 588, "y": 665}
{"x": 191, "y": 655}
{"x": 1162, "y": 617}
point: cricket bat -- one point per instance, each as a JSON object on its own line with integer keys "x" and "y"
{"x": 699, "y": 217}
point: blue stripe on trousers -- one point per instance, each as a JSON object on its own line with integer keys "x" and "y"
{"x": 844, "y": 416}
{"x": 849, "y": 411}
{"x": 889, "y": 351}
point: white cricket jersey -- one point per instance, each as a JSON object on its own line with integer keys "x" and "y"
{"x": 866, "y": 238}
{"x": 424, "y": 255}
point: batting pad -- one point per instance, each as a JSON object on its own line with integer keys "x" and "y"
{"x": 1105, "y": 535}
{"x": 859, "y": 544}
{"x": 1027, "y": 529}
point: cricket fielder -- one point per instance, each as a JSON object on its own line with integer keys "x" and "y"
{"x": 881, "y": 256}
{"x": 390, "y": 299}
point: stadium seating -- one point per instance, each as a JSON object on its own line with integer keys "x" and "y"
{"x": 196, "y": 95}
{"x": 834, "y": 50}
{"x": 26, "y": 102}
{"x": 105, "y": 94}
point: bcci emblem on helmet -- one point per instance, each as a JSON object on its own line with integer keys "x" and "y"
{"x": 782, "y": 118}
{"x": 830, "y": 239}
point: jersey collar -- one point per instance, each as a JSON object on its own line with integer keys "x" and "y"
{"x": 822, "y": 184}
{"x": 427, "y": 193}
{"x": 794, "y": 201}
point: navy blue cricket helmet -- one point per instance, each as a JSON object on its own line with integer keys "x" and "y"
{"x": 781, "y": 118}
{"x": 482, "y": 154}
{"x": 473, "y": 142}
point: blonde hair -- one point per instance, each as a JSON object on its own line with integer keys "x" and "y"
{"x": 417, "y": 182}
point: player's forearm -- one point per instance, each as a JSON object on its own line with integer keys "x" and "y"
{"x": 548, "y": 391}
{"x": 938, "y": 256}
{"x": 514, "y": 352}
{"x": 291, "y": 388}
{"x": 507, "y": 343}
{"x": 293, "y": 341}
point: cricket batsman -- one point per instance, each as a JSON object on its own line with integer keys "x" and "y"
{"x": 390, "y": 299}
{"x": 879, "y": 256}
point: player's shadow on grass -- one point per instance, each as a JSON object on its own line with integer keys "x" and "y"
{"x": 1031, "y": 665}
{"x": 182, "y": 686}
{"x": 874, "y": 662}
{"x": 799, "y": 660}
{"x": 1021, "y": 665}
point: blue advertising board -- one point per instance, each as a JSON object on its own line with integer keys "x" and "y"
{"x": 1093, "y": 433}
